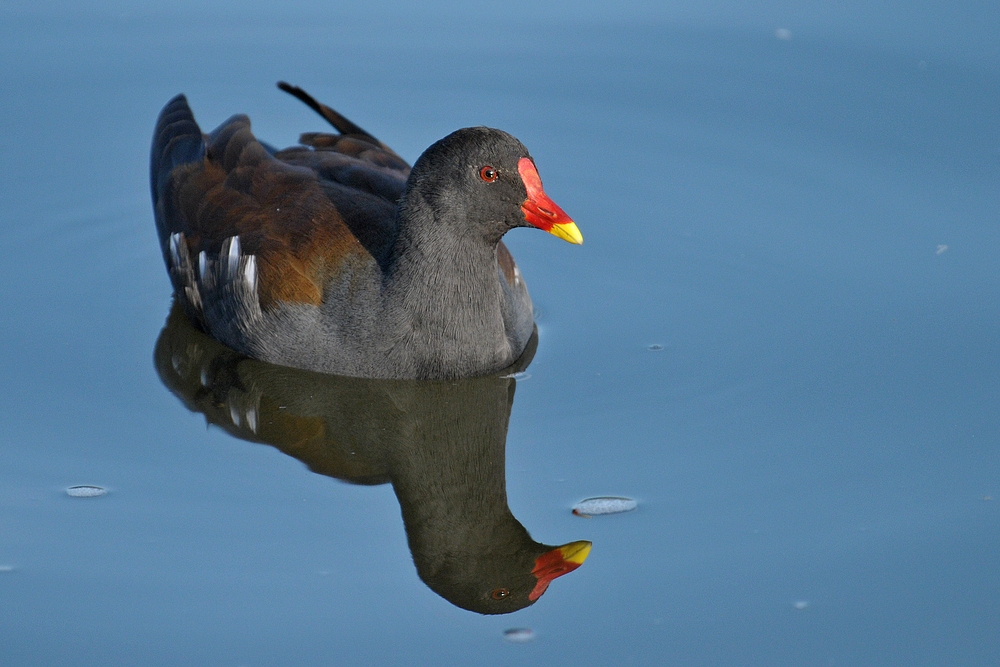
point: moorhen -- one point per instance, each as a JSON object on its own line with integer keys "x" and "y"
{"x": 335, "y": 256}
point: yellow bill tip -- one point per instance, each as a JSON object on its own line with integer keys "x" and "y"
{"x": 567, "y": 231}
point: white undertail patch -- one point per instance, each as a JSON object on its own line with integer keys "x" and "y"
{"x": 252, "y": 419}
{"x": 231, "y": 251}
{"x": 175, "y": 255}
{"x": 182, "y": 272}
{"x": 228, "y": 286}
{"x": 222, "y": 294}
{"x": 234, "y": 415}
{"x": 250, "y": 273}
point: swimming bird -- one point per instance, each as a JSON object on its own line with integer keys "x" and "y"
{"x": 336, "y": 256}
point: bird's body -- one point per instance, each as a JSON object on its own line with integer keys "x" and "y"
{"x": 335, "y": 256}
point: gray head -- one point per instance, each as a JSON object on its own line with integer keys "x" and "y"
{"x": 482, "y": 182}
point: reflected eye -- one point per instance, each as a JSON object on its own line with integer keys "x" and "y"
{"x": 500, "y": 593}
{"x": 488, "y": 174}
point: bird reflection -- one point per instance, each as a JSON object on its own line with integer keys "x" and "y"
{"x": 441, "y": 445}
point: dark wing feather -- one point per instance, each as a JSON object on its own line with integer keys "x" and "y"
{"x": 227, "y": 184}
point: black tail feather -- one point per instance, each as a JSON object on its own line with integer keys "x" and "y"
{"x": 177, "y": 140}
{"x": 342, "y": 124}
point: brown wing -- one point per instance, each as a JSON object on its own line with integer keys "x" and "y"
{"x": 301, "y": 212}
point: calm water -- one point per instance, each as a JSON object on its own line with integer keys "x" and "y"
{"x": 806, "y": 227}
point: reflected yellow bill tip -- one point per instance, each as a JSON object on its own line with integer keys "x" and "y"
{"x": 576, "y": 552}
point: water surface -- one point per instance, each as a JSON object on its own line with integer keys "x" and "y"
{"x": 805, "y": 227}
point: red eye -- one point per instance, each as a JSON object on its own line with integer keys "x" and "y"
{"x": 488, "y": 174}
{"x": 500, "y": 593}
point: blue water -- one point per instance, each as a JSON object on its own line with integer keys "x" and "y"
{"x": 807, "y": 227}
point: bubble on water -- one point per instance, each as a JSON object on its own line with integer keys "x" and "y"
{"x": 604, "y": 505}
{"x": 85, "y": 491}
{"x": 801, "y": 604}
{"x": 783, "y": 33}
{"x": 519, "y": 635}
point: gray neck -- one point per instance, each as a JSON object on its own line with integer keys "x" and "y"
{"x": 443, "y": 291}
